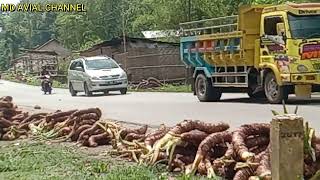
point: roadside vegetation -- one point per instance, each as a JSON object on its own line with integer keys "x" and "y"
{"x": 79, "y": 31}
{"x": 41, "y": 161}
{"x": 31, "y": 80}
{"x": 165, "y": 88}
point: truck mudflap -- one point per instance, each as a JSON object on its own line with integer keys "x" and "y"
{"x": 303, "y": 91}
{"x": 315, "y": 88}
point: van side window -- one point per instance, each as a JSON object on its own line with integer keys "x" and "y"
{"x": 73, "y": 65}
{"x": 80, "y": 64}
{"x": 270, "y": 25}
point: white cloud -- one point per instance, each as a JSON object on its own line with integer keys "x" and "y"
{"x": 9, "y": 1}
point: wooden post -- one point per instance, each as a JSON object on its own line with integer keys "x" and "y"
{"x": 287, "y": 145}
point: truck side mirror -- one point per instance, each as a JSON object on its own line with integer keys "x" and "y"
{"x": 281, "y": 31}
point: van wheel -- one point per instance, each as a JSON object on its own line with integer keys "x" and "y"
{"x": 205, "y": 91}
{"x": 124, "y": 91}
{"x": 71, "y": 90}
{"x": 274, "y": 93}
{"x": 86, "y": 90}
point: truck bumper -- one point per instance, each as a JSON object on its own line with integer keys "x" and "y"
{"x": 305, "y": 78}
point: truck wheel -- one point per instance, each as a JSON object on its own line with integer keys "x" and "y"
{"x": 205, "y": 91}
{"x": 258, "y": 95}
{"x": 86, "y": 90}
{"x": 274, "y": 93}
{"x": 71, "y": 90}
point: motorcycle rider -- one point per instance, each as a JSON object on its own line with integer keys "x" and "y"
{"x": 43, "y": 75}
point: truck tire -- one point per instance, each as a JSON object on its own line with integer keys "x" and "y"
{"x": 257, "y": 95}
{"x": 255, "y": 91}
{"x": 205, "y": 91}
{"x": 274, "y": 93}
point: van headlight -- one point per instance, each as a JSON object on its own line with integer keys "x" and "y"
{"x": 95, "y": 78}
{"x": 123, "y": 75}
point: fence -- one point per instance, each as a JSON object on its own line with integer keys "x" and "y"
{"x": 161, "y": 63}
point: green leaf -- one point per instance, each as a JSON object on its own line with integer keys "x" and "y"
{"x": 296, "y": 110}
{"x": 285, "y": 110}
{"x": 316, "y": 176}
{"x": 275, "y": 113}
{"x": 309, "y": 134}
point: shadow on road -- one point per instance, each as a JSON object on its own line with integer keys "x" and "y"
{"x": 244, "y": 100}
{"x": 102, "y": 95}
{"x": 313, "y": 101}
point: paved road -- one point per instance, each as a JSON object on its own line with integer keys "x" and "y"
{"x": 157, "y": 108}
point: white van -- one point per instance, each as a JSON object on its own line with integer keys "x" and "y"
{"x": 96, "y": 74}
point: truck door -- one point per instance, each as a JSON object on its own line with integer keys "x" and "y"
{"x": 273, "y": 42}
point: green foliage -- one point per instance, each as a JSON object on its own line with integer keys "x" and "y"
{"x": 106, "y": 19}
{"x": 40, "y": 161}
{"x": 31, "y": 80}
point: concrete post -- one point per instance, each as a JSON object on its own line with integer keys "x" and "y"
{"x": 287, "y": 146}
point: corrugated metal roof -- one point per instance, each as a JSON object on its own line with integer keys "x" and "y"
{"x": 119, "y": 40}
{"x": 159, "y": 34}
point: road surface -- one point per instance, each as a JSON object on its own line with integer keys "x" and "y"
{"x": 156, "y": 108}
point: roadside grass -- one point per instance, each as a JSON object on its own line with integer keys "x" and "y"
{"x": 40, "y": 161}
{"x": 29, "y": 80}
{"x": 166, "y": 88}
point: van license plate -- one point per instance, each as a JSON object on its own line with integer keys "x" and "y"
{"x": 112, "y": 82}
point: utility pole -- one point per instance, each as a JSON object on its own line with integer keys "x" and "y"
{"x": 189, "y": 10}
{"x": 124, "y": 27}
{"x": 189, "y": 69}
{"x": 30, "y": 33}
{"x": 124, "y": 34}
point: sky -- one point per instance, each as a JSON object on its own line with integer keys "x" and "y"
{"x": 9, "y": 1}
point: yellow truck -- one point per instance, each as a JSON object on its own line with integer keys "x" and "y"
{"x": 267, "y": 51}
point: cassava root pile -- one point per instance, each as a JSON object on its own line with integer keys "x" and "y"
{"x": 82, "y": 126}
{"x": 151, "y": 82}
{"x": 13, "y": 121}
{"x": 191, "y": 147}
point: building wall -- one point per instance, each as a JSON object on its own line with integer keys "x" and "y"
{"x": 161, "y": 63}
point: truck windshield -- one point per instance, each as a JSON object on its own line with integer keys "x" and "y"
{"x": 304, "y": 27}
{"x": 98, "y": 64}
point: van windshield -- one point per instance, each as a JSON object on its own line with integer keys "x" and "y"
{"x": 98, "y": 64}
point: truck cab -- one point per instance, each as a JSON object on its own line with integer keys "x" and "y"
{"x": 266, "y": 51}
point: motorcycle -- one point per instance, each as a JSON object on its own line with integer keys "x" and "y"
{"x": 46, "y": 84}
